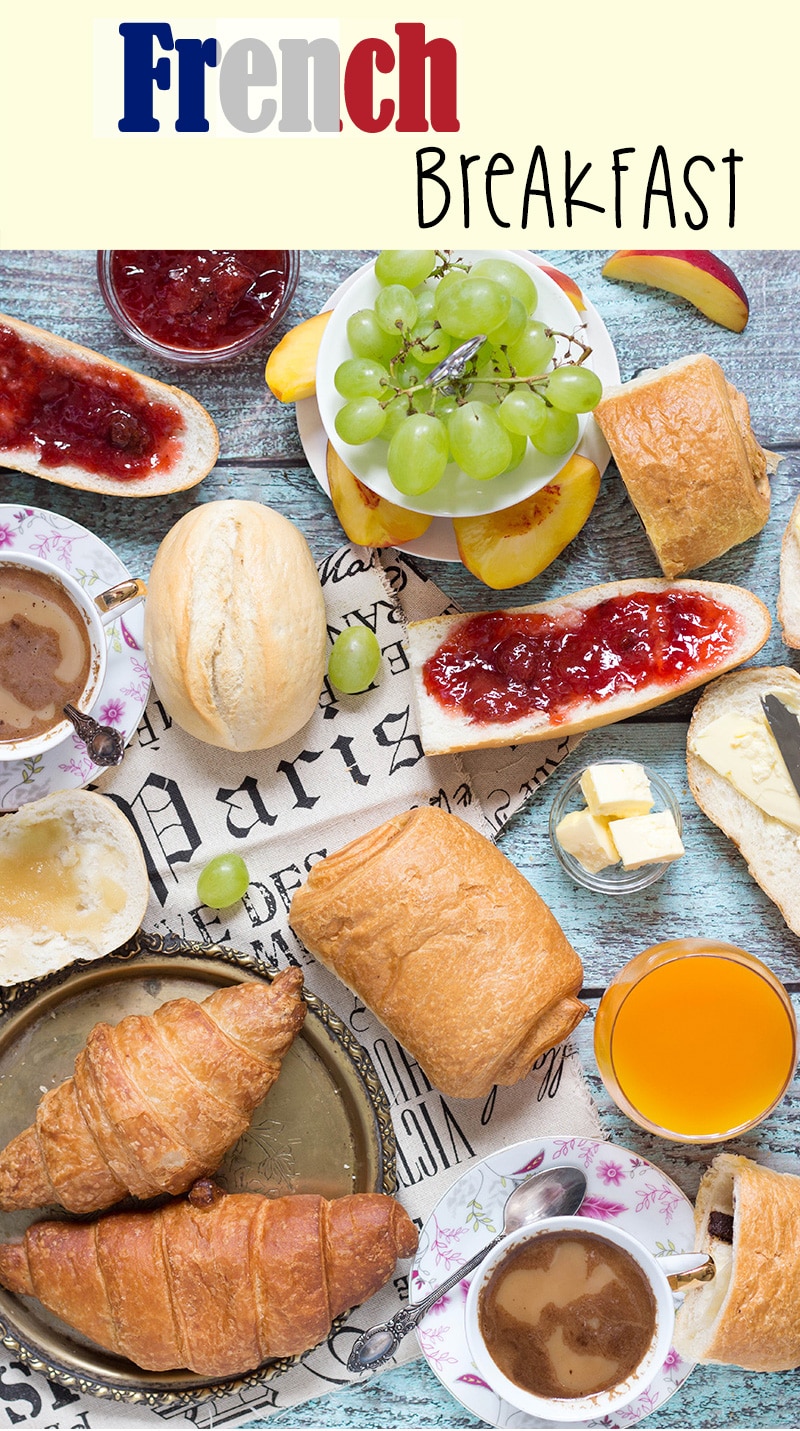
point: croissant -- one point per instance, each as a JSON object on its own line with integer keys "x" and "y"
{"x": 216, "y": 1283}
{"x": 156, "y": 1101}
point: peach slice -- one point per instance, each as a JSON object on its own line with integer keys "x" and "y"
{"x": 568, "y": 284}
{"x": 291, "y": 371}
{"x": 694, "y": 274}
{"x": 369, "y": 520}
{"x": 508, "y": 548}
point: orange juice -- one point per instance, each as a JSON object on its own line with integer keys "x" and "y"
{"x": 696, "y": 1040}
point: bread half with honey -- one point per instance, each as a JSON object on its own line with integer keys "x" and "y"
{"x": 447, "y": 728}
{"x": 769, "y": 846}
{"x": 746, "y": 1217}
{"x": 32, "y": 358}
{"x": 73, "y": 883}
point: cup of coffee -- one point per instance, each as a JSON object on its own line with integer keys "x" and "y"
{"x": 53, "y": 650}
{"x": 570, "y": 1319}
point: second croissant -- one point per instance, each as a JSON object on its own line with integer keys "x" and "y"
{"x": 156, "y": 1101}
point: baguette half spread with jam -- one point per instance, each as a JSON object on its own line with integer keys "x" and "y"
{"x": 576, "y": 663}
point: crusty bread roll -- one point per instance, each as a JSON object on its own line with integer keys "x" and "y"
{"x": 444, "y": 729}
{"x": 769, "y": 847}
{"x": 448, "y": 944}
{"x": 789, "y": 588}
{"x": 234, "y": 627}
{"x": 681, "y": 438}
{"x": 192, "y": 452}
{"x": 748, "y": 1314}
{"x": 73, "y": 883}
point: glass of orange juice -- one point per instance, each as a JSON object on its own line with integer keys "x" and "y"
{"x": 696, "y": 1040}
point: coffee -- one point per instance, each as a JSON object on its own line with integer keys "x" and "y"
{"x": 567, "y": 1314}
{"x": 45, "y": 652}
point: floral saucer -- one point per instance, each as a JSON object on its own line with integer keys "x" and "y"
{"x": 124, "y": 692}
{"x": 622, "y": 1188}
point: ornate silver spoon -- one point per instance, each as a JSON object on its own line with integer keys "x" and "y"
{"x": 553, "y": 1192}
{"x": 104, "y": 744}
{"x": 453, "y": 365}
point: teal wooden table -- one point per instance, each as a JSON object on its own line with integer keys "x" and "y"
{"x": 709, "y": 892}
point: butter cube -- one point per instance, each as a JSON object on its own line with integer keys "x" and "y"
{"x": 617, "y": 789}
{"x": 586, "y": 837}
{"x": 647, "y": 839}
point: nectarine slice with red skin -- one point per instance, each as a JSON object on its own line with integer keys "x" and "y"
{"x": 568, "y": 285}
{"x": 508, "y": 548}
{"x": 695, "y": 274}
{"x": 369, "y": 520}
{"x": 291, "y": 371}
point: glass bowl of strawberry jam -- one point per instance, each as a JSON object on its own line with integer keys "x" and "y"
{"x": 197, "y": 306}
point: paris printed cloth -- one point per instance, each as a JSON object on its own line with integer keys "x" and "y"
{"x": 358, "y": 762}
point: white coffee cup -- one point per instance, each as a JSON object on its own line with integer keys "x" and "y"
{"x": 97, "y": 612}
{"x": 602, "y": 1403}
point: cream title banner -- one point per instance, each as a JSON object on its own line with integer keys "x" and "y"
{"x": 501, "y": 125}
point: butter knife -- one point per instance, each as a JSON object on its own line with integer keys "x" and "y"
{"x": 785, "y": 728}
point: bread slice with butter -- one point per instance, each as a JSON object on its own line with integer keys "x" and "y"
{"x": 739, "y": 780}
{"x": 73, "y": 883}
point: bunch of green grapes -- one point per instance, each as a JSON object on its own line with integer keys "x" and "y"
{"x": 510, "y": 392}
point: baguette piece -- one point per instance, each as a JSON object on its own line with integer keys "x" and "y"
{"x": 444, "y": 729}
{"x": 769, "y": 847}
{"x": 73, "y": 883}
{"x": 681, "y": 438}
{"x": 446, "y": 941}
{"x": 747, "y": 1315}
{"x": 789, "y": 587}
{"x": 31, "y": 358}
{"x": 216, "y": 1283}
{"x": 155, "y": 1101}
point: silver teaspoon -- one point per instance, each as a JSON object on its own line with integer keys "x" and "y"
{"x": 104, "y": 744}
{"x": 553, "y": 1192}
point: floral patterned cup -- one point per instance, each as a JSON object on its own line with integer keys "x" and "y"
{"x": 579, "y": 1408}
{"x": 97, "y": 612}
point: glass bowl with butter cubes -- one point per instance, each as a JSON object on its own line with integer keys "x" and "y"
{"x": 616, "y": 826}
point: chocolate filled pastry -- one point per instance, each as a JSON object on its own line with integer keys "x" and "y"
{"x": 156, "y": 1101}
{"x": 215, "y": 1283}
{"x": 747, "y": 1218}
{"x": 449, "y": 945}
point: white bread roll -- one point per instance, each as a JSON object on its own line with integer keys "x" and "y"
{"x": 769, "y": 847}
{"x": 446, "y": 941}
{"x": 747, "y": 1315}
{"x": 681, "y": 438}
{"x": 73, "y": 883}
{"x": 789, "y": 588}
{"x": 234, "y": 630}
{"x": 198, "y": 441}
{"x": 444, "y": 730}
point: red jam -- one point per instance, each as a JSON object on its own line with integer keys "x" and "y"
{"x": 502, "y": 666}
{"x": 199, "y": 301}
{"x": 66, "y": 410}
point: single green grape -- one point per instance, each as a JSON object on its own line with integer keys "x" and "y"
{"x": 533, "y": 351}
{"x": 522, "y": 411}
{"x": 558, "y": 433}
{"x": 479, "y": 442}
{"x": 444, "y": 406}
{"x": 433, "y": 343}
{"x": 407, "y": 266}
{"x": 511, "y": 276}
{"x": 574, "y": 389}
{"x": 367, "y": 338}
{"x": 359, "y": 420}
{"x": 519, "y": 446}
{"x": 418, "y": 454}
{"x": 425, "y": 297}
{"x": 396, "y": 412}
{"x": 361, "y": 377}
{"x": 354, "y": 660}
{"x": 395, "y": 308}
{"x": 476, "y": 305}
{"x": 222, "y": 881}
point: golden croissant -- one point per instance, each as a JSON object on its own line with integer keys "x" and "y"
{"x": 156, "y": 1101}
{"x": 215, "y": 1283}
